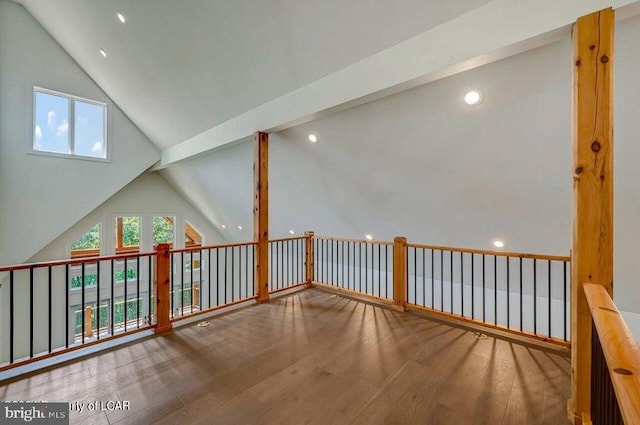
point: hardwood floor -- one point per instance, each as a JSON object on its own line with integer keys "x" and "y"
{"x": 313, "y": 358}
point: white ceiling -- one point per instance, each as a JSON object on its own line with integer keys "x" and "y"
{"x": 178, "y": 68}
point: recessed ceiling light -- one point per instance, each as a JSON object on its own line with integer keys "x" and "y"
{"x": 292, "y": 232}
{"x": 313, "y": 138}
{"x": 239, "y": 227}
{"x": 473, "y": 97}
{"x": 103, "y": 53}
{"x": 498, "y": 244}
{"x": 369, "y": 237}
{"x": 224, "y": 227}
{"x": 121, "y": 17}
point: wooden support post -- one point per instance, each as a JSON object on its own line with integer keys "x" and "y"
{"x": 592, "y": 139}
{"x": 261, "y": 213}
{"x": 88, "y": 326}
{"x": 163, "y": 292}
{"x": 400, "y": 273}
{"x": 309, "y": 255}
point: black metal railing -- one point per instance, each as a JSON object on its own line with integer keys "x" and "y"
{"x": 209, "y": 277}
{"x": 66, "y": 304}
{"x": 522, "y": 292}
{"x": 356, "y": 265}
{"x": 286, "y": 263}
{"x": 604, "y": 404}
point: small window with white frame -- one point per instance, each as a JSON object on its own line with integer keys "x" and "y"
{"x": 67, "y": 125}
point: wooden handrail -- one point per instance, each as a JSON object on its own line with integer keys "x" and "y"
{"x": 73, "y": 262}
{"x": 620, "y": 350}
{"x": 292, "y": 238}
{"x": 496, "y": 253}
{"x": 329, "y": 238}
{"x": 203, "y": 248}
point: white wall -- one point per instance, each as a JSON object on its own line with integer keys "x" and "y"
{"x": 41, "y": 196}
{"x": 147, "y": 196}
{"x": 424, "y": 165}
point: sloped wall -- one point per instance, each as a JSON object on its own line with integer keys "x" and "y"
{"x": 41, "y": 196}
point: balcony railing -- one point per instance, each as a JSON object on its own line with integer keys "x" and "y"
{"x": 615, "y": 363}
{"x": 53, "y": 307}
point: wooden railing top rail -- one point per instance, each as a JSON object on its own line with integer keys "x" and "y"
{"x": 621, "y": 351}
{"x": 329, "y": 238}
{"x": 496, "y": 253}
{"x": 203, "y": 248}
{"x": 292, "y": 238}
{"x": 74, "y": 261}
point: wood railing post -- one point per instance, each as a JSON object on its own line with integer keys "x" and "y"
{"x": 592, "y": 140}
{"x": 88, "y": 326}
{"x": 261, "y": 214}
{"x": 163, "y": 292}
{"x": 309, "y": 256}
{"x": 400, "y": 273}
{"x": 195, "y": 298}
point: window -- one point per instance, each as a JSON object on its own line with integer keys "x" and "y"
{"x": 127, "y": 235}
{"x": 68, "y": 125}
{"x": 88, "y": 245}
{"x": 163, "y": 229}
{"x": 192, "y": 238}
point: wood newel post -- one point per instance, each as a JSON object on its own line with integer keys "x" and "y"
{"x": 309, "y": 256}
{"x": 261, "y": 213}
{"x": 400, "y": 273}
{"x": 163, "y": 272}
{"x": 592, "y": 140}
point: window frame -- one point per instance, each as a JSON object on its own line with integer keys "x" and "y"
{"x": 72, "y": 121}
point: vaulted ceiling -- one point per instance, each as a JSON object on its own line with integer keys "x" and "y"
{"x": 198, "y": 75}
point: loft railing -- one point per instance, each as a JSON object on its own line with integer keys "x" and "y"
{"x": 516, "y": 292}
{"x": 207, "y": 278}
{"x": 357, "y": 266}
{"x": 54, "y": 307}
{"x": 287, "y": 263}
{"x": 512, "y": 291}
{"x": 615, "y": 363}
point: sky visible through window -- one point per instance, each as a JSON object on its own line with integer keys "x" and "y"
{"x": 52, "y": 125}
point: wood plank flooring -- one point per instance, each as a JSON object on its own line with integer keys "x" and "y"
{"x": 313, "y": 358}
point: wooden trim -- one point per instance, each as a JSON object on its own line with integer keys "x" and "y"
{"x": 565, "y": 346}
{"x": 83, "y": 253}
{"x": 309, "y": 259}
{"x": 296, "y": 285}
{"x": 355, "y": 294}
{"x": 496, "y": 253}
{"x": 261, "y": 213}
{"x": 592, "y": 141}
{"x": 209, "y": 310}
{"x": 329, "y": 238}
{"x": 70, "y": 349}
{"x": 620, "y": 349}
{"x": 133, "y": 249}
{"x": 163, "y": 291}
{"x": 119, "y": 233}
{"x": 400, "y": 273}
